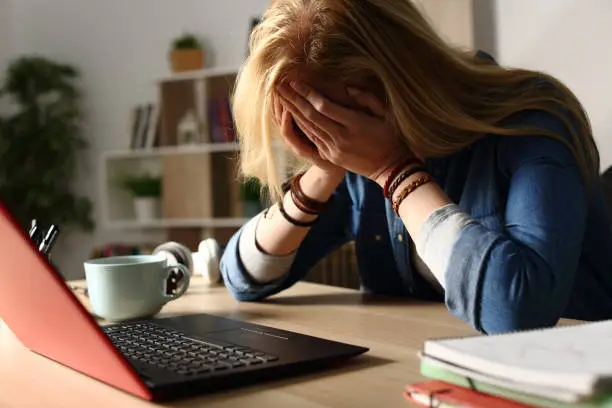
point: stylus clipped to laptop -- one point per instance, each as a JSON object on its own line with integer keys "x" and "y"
{"x": 155, "y": 359}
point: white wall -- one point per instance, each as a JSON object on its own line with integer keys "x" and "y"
{"x": 6, "y": 37}
{"x": 569, "y": 39}
{"x": 120, "y": 46}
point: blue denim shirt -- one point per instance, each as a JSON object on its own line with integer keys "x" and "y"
{"x": 540, "y": 249}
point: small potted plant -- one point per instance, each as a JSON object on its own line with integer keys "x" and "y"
{"x": 146, "y": 191}
{"x": 250, "y": 192}
{"x": 187, "y": 53}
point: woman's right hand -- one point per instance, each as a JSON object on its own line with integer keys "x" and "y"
{"x": 291, "y": 131}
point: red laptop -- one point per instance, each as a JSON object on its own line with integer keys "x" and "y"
{"x": 155, "y": 359}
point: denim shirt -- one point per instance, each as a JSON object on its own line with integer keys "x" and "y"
{"x": 540, "y": 247}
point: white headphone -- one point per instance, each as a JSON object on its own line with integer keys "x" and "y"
{"x": 204, "y": 262}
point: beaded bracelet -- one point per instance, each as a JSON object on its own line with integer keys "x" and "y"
{"x": 404, "y": 176}
{"x": 409, "y": 189}
{"x": 394, "y": 172}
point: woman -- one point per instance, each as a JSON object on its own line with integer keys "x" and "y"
{"x": 458, "y": 180}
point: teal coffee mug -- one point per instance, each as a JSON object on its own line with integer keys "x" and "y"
{"x": 134, "y": 286}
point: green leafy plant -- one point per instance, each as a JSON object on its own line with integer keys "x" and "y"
{"x": 143, "y": 185}
{"x": 250, "y": 190}
{"x": 187, "y": 41}
{"x": 40, "y": 142}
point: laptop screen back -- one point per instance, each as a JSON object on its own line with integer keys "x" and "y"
{"x": 39, "y": 308}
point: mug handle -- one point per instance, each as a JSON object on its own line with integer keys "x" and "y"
{"x": 185, "y": 278}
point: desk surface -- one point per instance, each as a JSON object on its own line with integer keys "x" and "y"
{"x": 394, "y": 330}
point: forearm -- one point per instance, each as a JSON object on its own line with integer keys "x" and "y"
{"x": 277, "y": 236}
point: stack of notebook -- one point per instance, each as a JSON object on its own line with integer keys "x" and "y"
{"x": 569, "y": 366}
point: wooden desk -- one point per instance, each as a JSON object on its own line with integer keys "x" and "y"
{"x": 394, "y": 330}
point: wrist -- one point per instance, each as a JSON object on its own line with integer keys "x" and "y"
{"x": 319, "y": 184}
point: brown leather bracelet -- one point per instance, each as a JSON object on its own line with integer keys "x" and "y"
{"x": 311, "y": 205}
{"x": 287, "y": 187}
{"x": 293, "y": 221}
{"x": 301, "y": 206}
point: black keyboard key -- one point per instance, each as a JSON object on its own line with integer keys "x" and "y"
{"x": 220, "y": 367}
{"x": 252, "y": 361}
{"x": 268, "y": 357}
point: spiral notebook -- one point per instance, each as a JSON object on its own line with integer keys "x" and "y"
{"x": 577, "y": 358}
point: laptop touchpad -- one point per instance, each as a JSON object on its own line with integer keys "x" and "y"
{"x": 254, "y": 338}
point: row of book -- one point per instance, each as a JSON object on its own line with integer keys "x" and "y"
{"x": 565, "y": 366}
{"x": 144, "y": 125}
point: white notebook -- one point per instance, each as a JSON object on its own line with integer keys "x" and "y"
{"x": 577, "y": 358}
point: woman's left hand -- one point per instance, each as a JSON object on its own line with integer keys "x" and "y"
{"x": 363, "y": 143}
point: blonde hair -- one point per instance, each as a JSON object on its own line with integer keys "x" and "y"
{"x": 442, "y": 99}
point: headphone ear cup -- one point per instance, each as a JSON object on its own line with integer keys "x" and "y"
{"x": 176, "y": 253}
{"x": 209, "y": 257}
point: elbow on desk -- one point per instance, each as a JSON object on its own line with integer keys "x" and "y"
{"x": 235, "y": 280}
{"x": 523, "y": 295}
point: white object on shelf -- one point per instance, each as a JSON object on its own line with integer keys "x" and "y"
{"x": 188, "y": 130}
{"x": 147, "y": 208}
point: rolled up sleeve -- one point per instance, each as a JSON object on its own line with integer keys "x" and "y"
{"x": 522, "y": 277}
{"x": 329, "y": 233}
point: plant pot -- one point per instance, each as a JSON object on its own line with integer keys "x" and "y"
{"x": 187, "y": 60}
{"x": 147, "y": 208}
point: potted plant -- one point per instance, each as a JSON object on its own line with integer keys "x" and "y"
{"x": 250, "y": 193}
{"x": 146, "y": 191}
{"x": 187, "y": 53}
{"x": 41, "y": 142}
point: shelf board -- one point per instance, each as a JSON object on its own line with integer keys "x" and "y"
{"x": 172, "y": 150}
{"x": 200, "y": 74}
{"x": 178, "y": 223}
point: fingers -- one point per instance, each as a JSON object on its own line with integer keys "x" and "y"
{"x": 299, "y": 144}
{"x": 277, "y": 110}
{"x": 313, "y": 111}
{"x": 319, "y": 130}
{"x": 368, "y": 100}
{"x": 310, "y": 131}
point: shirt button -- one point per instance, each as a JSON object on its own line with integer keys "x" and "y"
{"x": 411, "y": 290}
{"x": 400, "y": 237}
{"x": 377, "y": 238}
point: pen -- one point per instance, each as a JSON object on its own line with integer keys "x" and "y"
{"x": 33, "y": 227}
{"x": 36, "y": 235}
{"x": 49, "y": 240}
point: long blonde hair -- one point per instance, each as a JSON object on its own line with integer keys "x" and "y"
{"x": 442, "y": 99}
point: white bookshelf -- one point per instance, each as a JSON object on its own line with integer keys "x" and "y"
{"x": 200, "y": 74}
{"x": 171, "y": 150}
{"x": 117, "y": 204}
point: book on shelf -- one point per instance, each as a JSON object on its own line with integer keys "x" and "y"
{"x": 569, "y": 365}
{"x": 144, "y": 126}
{"x": 221, "y": 120}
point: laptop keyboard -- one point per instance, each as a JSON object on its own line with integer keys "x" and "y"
{"x": 172, "y": 350}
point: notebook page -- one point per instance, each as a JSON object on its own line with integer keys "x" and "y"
{"x": 572, "y": 356}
